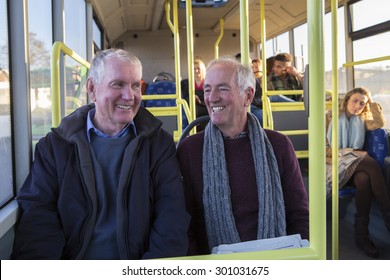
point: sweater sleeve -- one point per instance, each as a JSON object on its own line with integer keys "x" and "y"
{"x": 376, "y": 120}
{"x": 295, "y": 195}
{"x": 190, "y": 159}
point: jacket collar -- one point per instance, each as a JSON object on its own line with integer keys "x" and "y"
{"x": 72, "y": 124}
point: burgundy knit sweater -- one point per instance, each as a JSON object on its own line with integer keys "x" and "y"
{"x": 242, "y": 180}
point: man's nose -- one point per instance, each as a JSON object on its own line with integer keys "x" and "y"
{"x": 214, "y": 95}
{"x": 128, "y": 93}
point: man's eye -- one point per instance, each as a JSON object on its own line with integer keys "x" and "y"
{"x": 206, "y": 91}
{"x": 117, "y": 85}
{"x": 223, "y": 89}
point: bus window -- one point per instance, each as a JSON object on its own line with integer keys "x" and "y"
{"x": 40, "y": 41}
{"x": 300, "y": 47}
{"x": 278, "y": 44}
{"x": 342, "y": 82}
{"x": 75, "y": 16}
{"x": 374, "y": 76}
{"x": 6, "y": 182}
{"x": 368, "y": 13}
{"x": 370, "y": 25}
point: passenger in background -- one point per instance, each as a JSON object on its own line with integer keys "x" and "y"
{"x": 256, "y": 68}
{"x": 106, "y": 183}
{"x": 257, "y": 103}
{"x": 241, "y": 182}
{"x": 284, "y": 76}
{"x": 270, "y": 65}
{"x": 199, "y": 74}
{"x": 358, "y": 113}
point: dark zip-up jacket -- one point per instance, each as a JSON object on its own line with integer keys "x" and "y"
{"x": 58, "y": 202}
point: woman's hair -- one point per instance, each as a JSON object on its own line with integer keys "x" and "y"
{"x": 344, "y": 101}
{"x": 202, "y": 67}
{"x": 96, "y": 71}
{"x": 270, "y": 64}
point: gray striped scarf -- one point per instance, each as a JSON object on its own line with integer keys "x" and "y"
{"x": 220, "y": 224}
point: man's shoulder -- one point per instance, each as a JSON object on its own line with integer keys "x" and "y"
{"x": 273, "y": 134}
{"x": 192, "y": 142}
{"x": 277, "y": 139}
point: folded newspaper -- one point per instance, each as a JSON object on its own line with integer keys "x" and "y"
{"x": 283, "y": 242}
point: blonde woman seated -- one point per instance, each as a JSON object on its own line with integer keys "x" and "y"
{"x": 358, "y": 113}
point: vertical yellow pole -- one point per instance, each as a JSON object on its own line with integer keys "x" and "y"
{"x": 263, "y": 38}
{"x": 335, "y": 150}
{"x": 317, "y": 191}
{"x": 244, "y": 30}
{"x": 55, "y": 84}
{"x": 190, "y": 59}
{"x": 221, "y": 29}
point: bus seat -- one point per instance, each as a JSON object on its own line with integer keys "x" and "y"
{"x": 165, "y": 87}
{"x": 293, "y": 120}
{"x": 200, "y": 120}
{"x": 377, "y": 144}
{"x": 161, "y": 87}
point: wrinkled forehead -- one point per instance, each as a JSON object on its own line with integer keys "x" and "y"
{"x": 220, "y": 73}
{"x": 122, "y": 67}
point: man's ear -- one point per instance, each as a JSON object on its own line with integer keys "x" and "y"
{"x": 91, "y": 89}
{"x": 249, "y": 95}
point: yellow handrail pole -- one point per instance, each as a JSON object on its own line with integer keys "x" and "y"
{"x": 190, "y": 59}
{"x": 267, "y": 116}
{"x": 167, "y": 15}
{"x": 175, "y": 30}
{"x": 335, "y": 125}
{"x": 317, "y": 190}
{"x": 177, "y": 64}
{"x": 57, "y": 48}
{"x": 221, "y": 30}
{"x": 366, "y": 61}
{"x": 55, "y": 84}
{"x": 244, "y": 31}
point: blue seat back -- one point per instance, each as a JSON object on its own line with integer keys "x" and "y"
{"x": 163, "y": 87}
{"x": 376, "y": 144}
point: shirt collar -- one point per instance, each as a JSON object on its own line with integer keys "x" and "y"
{"x": 91, "y": 128}
{"x": 241, "y": 135}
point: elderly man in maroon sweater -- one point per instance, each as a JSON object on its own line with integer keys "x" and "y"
{"x": 242, "y": 182}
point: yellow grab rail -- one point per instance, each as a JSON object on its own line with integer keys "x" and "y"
{"x": 56, "y": 50}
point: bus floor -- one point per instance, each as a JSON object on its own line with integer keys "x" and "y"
{"x": 347, "y": 248}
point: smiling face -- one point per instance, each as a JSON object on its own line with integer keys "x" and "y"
{"x": 197, "y": 71}
{"x": 117, "y": 96}
{"x": 356, "y": 104}
{"x": 227, "y": 107}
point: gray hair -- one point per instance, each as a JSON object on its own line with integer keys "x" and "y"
{"x": 96, "y": 71}
{"x": 244, "y": 74}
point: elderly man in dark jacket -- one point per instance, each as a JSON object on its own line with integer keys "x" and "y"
{"x": 105, "y": 184}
